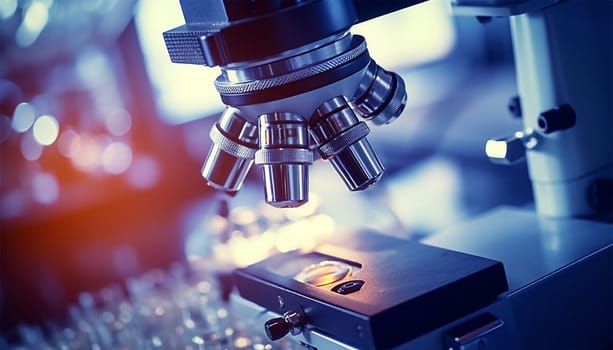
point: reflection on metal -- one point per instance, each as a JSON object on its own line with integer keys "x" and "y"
{"x": 512, "y": 149}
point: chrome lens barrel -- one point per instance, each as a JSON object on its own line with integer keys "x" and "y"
{"x": 235, "y": 142}
{"x": 381, "y": 96}
{"x": 284, "y": 157}
{"x": 341, "y": 138}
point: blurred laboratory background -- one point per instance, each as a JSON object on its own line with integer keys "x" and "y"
{"x": 102, "y": 140}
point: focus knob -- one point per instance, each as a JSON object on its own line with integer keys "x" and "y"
{"x": 277, "y": 328}
{"x": 557, "y": 119}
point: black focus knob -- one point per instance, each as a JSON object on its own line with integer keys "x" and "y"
{"x": 514, "y": 106}
{"x": 557, "y": 119}
{"x": 276, "y": 328}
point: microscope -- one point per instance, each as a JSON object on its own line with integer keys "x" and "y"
{"x": 299, "y": 86}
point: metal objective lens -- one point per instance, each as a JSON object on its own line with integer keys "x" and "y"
{"x": 235, "y": 142}
{"x": 381, "y": 96}
{"x": 284, "y": 155}
{"x": 341, "y": 138}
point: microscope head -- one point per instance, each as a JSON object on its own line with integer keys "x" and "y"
{"x": 295, "y": 80}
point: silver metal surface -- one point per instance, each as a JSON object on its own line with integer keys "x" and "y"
{"x": 284, "y": 156}
{"x": 475, "y": 336}
{"x": 235, "y": 142}
{"x": 341, "y": 138}
{"x": 340, "y": 142}
{"x": 381, "y": 96}
{"x": 268, "y": 80}
{"x": 358, "y": 165}
{"x": 287, "y": 62}
{"x": 530, "y": 246}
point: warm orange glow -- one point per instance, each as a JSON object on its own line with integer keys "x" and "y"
{"x": 246, "y": 247}
{"x": 305, "y": 210}
{"x": 85, "y": 152}
{"x": 303, "y": 234}
{"x": 242, "y": 216}
{"x": 242, "y": 251}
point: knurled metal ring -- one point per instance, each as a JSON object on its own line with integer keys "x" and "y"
{"x": 284, "y": 155}
{"x": 343, "y": 140}
{"x": 230, "y": 146}
{"x": 229, "y": 88}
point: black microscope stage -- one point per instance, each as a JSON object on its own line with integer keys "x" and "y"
{"x": 397, "y": 290}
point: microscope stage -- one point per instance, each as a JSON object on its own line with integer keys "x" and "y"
{"x": 396, "y": 291}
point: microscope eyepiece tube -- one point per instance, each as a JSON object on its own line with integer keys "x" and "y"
{"x": 235, "y": 142}
{"x": 341, "y": 138}
{"x": 284, "y": 157}
{"x": 381, "y": 95}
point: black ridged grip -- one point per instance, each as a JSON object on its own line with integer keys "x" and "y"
{"x": 276, "y": 328}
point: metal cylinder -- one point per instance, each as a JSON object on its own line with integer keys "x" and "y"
{"x": 235, "y": 142}
{"x": 381, "y": 95}
{"x": 284, "y": 156}
{"x": 341, "y": 138}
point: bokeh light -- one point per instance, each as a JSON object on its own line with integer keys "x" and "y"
{"x": 118, "y": 122}
{"x": 46, "y": 130}
{"x": 45, "y": 188}
{"x": 30, "y": 148}
{"x": 116, "y": 158}
{"x": 85, "y": 151}
{"x": 144, "y": 172}
{"x": 13, "y": 203}
{"x": 23, "y": 117}
{"x": 65, "y": 142}
{"x": 7, "y": 8}
{"x": 34, "y": 21}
